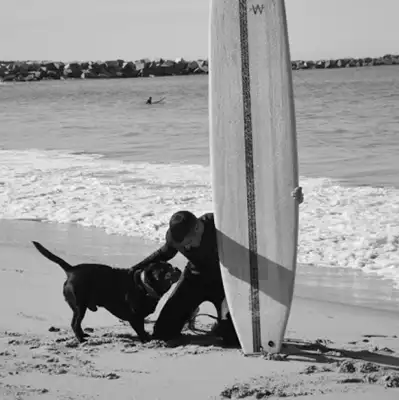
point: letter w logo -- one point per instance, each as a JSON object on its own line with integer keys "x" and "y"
{"x": 257, "y": 8}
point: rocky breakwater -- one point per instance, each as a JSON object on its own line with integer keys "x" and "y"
{"x": 388, "y": 59}
{"x": 42, "y": 70}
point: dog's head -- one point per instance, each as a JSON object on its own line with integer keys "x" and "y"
{"x": 158, "y": 278}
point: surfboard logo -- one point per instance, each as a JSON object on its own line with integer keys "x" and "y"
{"x": 257, "y": 8}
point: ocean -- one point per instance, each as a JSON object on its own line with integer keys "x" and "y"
{"x": 91, "y": 152}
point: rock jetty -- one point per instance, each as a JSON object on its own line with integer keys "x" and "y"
{"x": 39, "y": 70}
{"x": 26, "y": 71}
{"x": 388, "y": 59}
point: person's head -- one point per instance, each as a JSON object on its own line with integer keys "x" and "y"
{"x": 185, "y": 229}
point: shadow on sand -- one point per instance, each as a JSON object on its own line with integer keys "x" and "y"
{"x": 303, "y": 351}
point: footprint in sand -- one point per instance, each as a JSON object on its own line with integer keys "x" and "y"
{"x": 380, "y": 336}
{"x": 35, "y": 317}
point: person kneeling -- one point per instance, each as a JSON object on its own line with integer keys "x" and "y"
{"x": 200, "y": 281}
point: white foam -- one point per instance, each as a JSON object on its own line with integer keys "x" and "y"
{"x": 339, "y": 226}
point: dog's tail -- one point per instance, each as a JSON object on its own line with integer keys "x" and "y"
{"x": 52, "y": 257}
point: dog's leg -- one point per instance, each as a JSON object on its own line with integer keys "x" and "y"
{"x": 78, "y": 315}
{"x": 191, "y": 321}
{"x": 138, "y": 325}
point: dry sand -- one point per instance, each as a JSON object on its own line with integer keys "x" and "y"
{"x": 332, "y": 351}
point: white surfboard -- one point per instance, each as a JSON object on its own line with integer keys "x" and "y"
{"x": 254, "y": 166}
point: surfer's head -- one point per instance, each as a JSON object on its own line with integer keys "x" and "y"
{"x": 185, "y": 229}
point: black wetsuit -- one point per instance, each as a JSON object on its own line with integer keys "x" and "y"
{"x": 201, "y": 280}
{"x": 203, "y": 258}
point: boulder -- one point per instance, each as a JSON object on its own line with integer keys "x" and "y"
{"x": 15, "y": 68}
{"x": 28, "y": 78}
{"x": 181, "y": 66}
{"x": 72, "y": 70}
{"x": 154, "y": 69}
{"x": 112, "y": 64}
{"x": 158, "y": 61}
{"x": 89, "y": 74}
{"x": 34, "y": 66}
{"x": 129, "y": 70}
{"x": 38, "y": 74}
{"x": 113, "y": 68}
{"x": 333, "y": 63}
{"x": 52, "y": 66}
{"x": 24, "y": 69}
{"x": 84, "y": 65}
{"x": 140, "y": 66}
{"x": 202, "y": 66}
{"x": 9, "y": 78}
{"x": 3, "y": 70}
{"x": 170, "y": 68}
{"x": 192, "y": 66}
{"x": 53, "y": 74}
{"x": 104, "y": 75}
{"x": 96, "y": 67}
{"x": 353, "y": 62}
{"x": 299, "y": 64}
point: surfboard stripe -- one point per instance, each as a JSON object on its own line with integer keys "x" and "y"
{"x": 250, "y": 176}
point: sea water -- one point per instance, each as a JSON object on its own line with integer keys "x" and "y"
{"x": 92, "y": 152}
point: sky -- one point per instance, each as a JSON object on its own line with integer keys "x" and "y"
{"x": 76, "y": 30}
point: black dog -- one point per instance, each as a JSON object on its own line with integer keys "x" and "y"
{"x": 129, "y": 294}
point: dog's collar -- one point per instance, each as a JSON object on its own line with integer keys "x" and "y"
{"x": 150, "y": 291}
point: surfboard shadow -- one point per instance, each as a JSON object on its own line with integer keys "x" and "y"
{"x": 305, "y": 351}
{"x": 265, "y": 275}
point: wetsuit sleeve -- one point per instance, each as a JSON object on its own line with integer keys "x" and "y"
{"x": 165, "y": 253}
{"x": 207, "y": 218}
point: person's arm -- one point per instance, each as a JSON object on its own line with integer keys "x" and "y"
{"x": 165, "y": 253}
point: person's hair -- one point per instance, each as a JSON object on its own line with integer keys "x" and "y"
{"x": 181, "y": 224}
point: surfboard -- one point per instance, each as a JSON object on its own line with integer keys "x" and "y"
{"x": 156, "y": 102}
{"x": 159, "y": 101}
{"x": 254, "y": 166}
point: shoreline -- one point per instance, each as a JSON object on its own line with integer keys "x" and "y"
{"x": 331, "y": 285}
{"x": 30, "y": 71}
{"x": 331, "y": 349}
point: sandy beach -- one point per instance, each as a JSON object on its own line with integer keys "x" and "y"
{"x": 332, "y": 351}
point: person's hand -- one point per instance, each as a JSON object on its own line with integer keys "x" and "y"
{"x": 297, "y": 194}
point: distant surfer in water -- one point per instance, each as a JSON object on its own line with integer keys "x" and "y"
{"x": 150, "y": 102}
